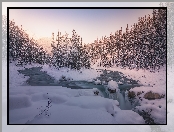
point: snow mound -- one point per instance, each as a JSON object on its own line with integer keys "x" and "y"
{"x": 19, "y": 101}
{"x": 128, "y": 117}
{"x": 94, "y": 102}
{"x": 56, "y": 98}
{"x": 112, "y": 85}
{"x": 156, "y": 108}
{"x": 37, "y": 97}
{"x": 16, "y": 79}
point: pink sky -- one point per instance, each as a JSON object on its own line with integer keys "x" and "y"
{"x": 88, "y": 23}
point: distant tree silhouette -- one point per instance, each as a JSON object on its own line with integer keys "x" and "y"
{"x": 22, "y": 49}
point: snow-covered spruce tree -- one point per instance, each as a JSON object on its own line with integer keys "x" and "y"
{"x": 64, "y": 46}
{"x": 15, "y": 41}
{"x": 84, "y": 57}
{"x": 76, "y": 55}
{"x": 56, "y": 51}
{"x": 158, "y": 39}
{"x": 23, "y": 49}
{"x": 69, "y": 52}
{"x": 162, "y": 32}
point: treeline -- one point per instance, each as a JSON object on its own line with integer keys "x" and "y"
{"x": 24, "y": 50}
{"x": 69, "y": 52}
{"x": 143, "y": 46}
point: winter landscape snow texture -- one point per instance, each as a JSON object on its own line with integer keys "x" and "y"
{"x": 120, "y": 79}
{"x": 82, "y": 106}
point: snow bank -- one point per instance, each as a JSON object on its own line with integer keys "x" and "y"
{"x": 16, "y": 79}
{"x": 128, "y": 117}
{"x": 94, "y": 102}
{"x": 63, "y": 114}
{"x": 19, "y": 101}
{"x": 145, "y": 77}
{"x": 68, "y": 106}
{"x": 157, "y": 109}
{"x": 84, "y": 74}
{"x": 56, "y": 98}
{"x": 80, "y": 106}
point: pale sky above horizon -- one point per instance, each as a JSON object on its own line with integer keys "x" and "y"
{"x": 88, "y": 23}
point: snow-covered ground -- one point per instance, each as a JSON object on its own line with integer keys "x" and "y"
{"x": 145, "y": 77}
{"x": 152, "y": 81}
{"x": 69, "y": 106}
{"x": 74, "y": 99}
{"x": 83, "y": 74}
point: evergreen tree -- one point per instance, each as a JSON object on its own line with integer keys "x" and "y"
{"x": 23, "y": 49}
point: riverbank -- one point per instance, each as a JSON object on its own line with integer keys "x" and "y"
{"x": 92, "y": 76}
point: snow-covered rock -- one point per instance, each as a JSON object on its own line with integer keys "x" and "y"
{"x": 112, "y": 89}
{"x": 150, "y": 95}
{"x": 147, "y": 92}
{"x": 155, "y": 109}
{"x": 131, "y": 94}
{"x": 112, "y": 86}
{"x": 152, "y": 103}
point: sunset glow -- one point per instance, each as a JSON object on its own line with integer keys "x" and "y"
{"x": 90, "y": 24}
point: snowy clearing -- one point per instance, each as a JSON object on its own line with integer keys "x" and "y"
{"x": 78, "y": 106}
{"x": 68, "y": 107}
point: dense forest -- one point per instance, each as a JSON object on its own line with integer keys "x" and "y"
{"x": 142, "y": 46}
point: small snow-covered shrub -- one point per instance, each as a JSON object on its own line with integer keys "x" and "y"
{"x": 63, "y": 78}
{"x": 96, "y": 91}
